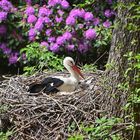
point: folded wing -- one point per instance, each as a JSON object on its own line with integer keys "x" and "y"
{"x": 48, "y": 85}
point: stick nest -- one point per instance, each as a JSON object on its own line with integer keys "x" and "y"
{"x": 48, "y": 117}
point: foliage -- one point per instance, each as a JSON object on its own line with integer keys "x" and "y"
{"x": 5, "y": 136}
{"x": 132, "y": 75}
{"x": 38, "y": 58}
{"x": 101, "y": 129}
{"x": 89, "y": 68}
{"x": 131, "y": 86}
{"x": 134, "y": 67}
{"x": 3, "y": 108}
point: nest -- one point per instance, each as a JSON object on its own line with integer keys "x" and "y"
{"x": 48, "y": 117}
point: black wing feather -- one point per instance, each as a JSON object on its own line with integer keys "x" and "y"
{"x": 48, "y": 85}
{"x": 35, "y": 88}
{"x": 49, "y": 80}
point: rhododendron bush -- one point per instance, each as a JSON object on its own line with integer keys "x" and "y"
{"x": 57, "y": 25}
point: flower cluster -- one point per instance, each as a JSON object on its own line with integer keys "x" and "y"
{"x": 12, "y": 56}
{"x": 90, "y": 34}
{"x": 63, "y": 3}
{"x": 57, "y": 26}
{"x": 3, "y": 29}
{"x": 28, "y": 2}
{"x": 50, "y": 20}
{"x": 5, "y": 8}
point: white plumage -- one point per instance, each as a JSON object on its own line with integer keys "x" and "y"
{"x": 71, "y": 82}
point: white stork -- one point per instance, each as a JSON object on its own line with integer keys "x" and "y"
{"x": 59, "y": 83}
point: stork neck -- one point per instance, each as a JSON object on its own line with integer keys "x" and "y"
{"x": 74, "y": 74}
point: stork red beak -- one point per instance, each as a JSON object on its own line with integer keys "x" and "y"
{"x": 75, "y": 68}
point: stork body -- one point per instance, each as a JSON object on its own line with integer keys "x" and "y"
{"x": 59, "y": 83}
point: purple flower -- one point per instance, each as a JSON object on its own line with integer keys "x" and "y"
{"x": 23, "y": 56}
{"x": 54, "y": 47}
{"x": 81, "y": 13}
{"x": 29, "y": 10}
{"x": 106, "y": 24}
{"x": 60, "y": 40}
{"x": 58, "y": 19}
{"x": 108, "y": 13}
{"x": 3, "y": 16}
{"x": 70, "y": 20}
{"x": 48, "y": 32}
{"x": 13, "y": 58}
{"x": 14, "y": 10}
{"x": 53, "y": 2}
{"x": 64, "y": 4}
{"x": 74, "y": 13}
{"x": 7, "y": 51}
{"x": 113, "y": 13}
{"x": 70, "y": 47}
{"x": 41, "y": 19}
{"x": 39, "y": 25}
{"x": 90, "y": 34}
{"x": 83, "y": 48}
{"x": 60, "y": 12}
{"x": 3, "y": 29}
{"x": 51, "y": 39}
{"x": 43, "y": 11}
{"x": 96, "y": 21}
{"x": 32, "y": 34}
{"x": 28, "y": 2}
{"x": 52, "y": 24}
{"x": 88, "y": 16}
{"x": 67, "y": 36}
{"x": 77, "y": 13}
{"x": 80, "y": 26}
{"x": 6, "y": 5}
{"x": 44, "y": 43}
{"x": 31, "y": 19}
{"x": 46, "y": 20}
{"x": 2, "y": 46}
{"x": 109, "y": 1}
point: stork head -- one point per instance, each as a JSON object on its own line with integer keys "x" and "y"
{"x": 69, "y": 64}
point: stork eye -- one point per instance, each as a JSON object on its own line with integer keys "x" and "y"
{"x": 71, "y": 63}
